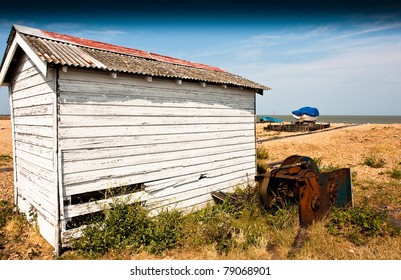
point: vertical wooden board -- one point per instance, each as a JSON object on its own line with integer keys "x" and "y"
{"x": 13, "y": 137}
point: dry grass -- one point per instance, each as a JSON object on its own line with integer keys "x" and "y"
{"x": 346, "y": 147}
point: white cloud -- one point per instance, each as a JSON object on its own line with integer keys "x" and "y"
{"x": 355, "y": 75}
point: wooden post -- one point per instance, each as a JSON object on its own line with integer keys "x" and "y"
{"x": 10, "y": 96}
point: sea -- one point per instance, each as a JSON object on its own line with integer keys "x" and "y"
{"x": 353, "y": 119}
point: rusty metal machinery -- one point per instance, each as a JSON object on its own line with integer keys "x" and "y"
{"x": 298, "y": 180}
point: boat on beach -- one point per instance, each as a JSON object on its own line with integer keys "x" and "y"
{"x": 271, "y": 119}
{"x": 306, "y": 114}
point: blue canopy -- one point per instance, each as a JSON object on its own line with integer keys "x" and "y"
{"x": 310, "y": 111}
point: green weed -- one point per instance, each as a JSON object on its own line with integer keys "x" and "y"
{"x": 374, "y": 160}
{"x": 358, "y": 224}
{"x": 262, "y": 153}
{"x": 125, "y": 225}
{"x": 6, "y": 211}
{"x": 395, "y": 173}
{"x": 5, "y": 159}
{"x": 165, "y": 232}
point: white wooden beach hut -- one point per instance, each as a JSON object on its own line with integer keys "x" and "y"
{"x": 89, "y": 116}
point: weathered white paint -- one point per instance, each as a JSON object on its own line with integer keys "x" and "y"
{"x": 181, "y": 140}
{"x": 19, "y": 42}
{"x": 163, "y": 134}
{"x": 45, "y": 226}
{"x": 7, "y": 60}
{"x": 96, "y": 142}
{"x": 34, "y": 139}
{"x": 95, "y": 206}
{"x": 161, "y": 160}
{"x": 33, "y": 116}
{"x": 107, "y": 182}
{"x": 149, "y": 148}
{"x": 40, "y": 64}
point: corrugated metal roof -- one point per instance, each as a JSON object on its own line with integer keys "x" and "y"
{"x": 72, "y": 51}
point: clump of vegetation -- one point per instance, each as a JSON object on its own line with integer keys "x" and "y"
{"x": 395, "y": 173}
{"x": 6, "y": 212}
{"x": 281, "y": 218}
{"x": 358, "y": 224}
{"x": 235, "y": 223}
{"x": 262, "y": 153}
{"x": 330, "y": 167}
{"x": 165, "y": 232}
{"x": 5, "y": 159}
{"x": 374, "y": 160}
{"x": 318, "y": 161}
{"x": 262, "y": 167}
{"x": 217, "y": 229}
{"x": 15, "y": 223}
{"x": 238, "y": 223}
{"x": 130, "y": 226}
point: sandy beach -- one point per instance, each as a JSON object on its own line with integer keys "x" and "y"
{"x": 344, "y": 146}
{"x": 6, "y": 165}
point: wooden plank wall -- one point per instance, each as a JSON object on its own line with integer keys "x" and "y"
{"x": 33, "y": 100}
{"x": 181, "y": 141}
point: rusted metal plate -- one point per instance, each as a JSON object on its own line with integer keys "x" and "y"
{"x": 298, "y": 180}
{"x": 314, "y": 202}
{"x": 339, "y": 185}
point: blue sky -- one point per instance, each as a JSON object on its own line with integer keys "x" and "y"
{"x": 342, "y": 59}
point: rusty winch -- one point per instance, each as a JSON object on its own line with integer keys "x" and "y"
{"x": 298, "y": 180}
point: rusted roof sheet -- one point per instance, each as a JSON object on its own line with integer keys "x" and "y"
{"x": 72, "y": 51}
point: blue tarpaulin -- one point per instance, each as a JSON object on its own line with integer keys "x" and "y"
{"x": 310, "y": 111}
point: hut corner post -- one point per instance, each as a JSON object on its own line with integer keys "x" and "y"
{"x": 13, "y": 141}
{"x": 57, "y": 169}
